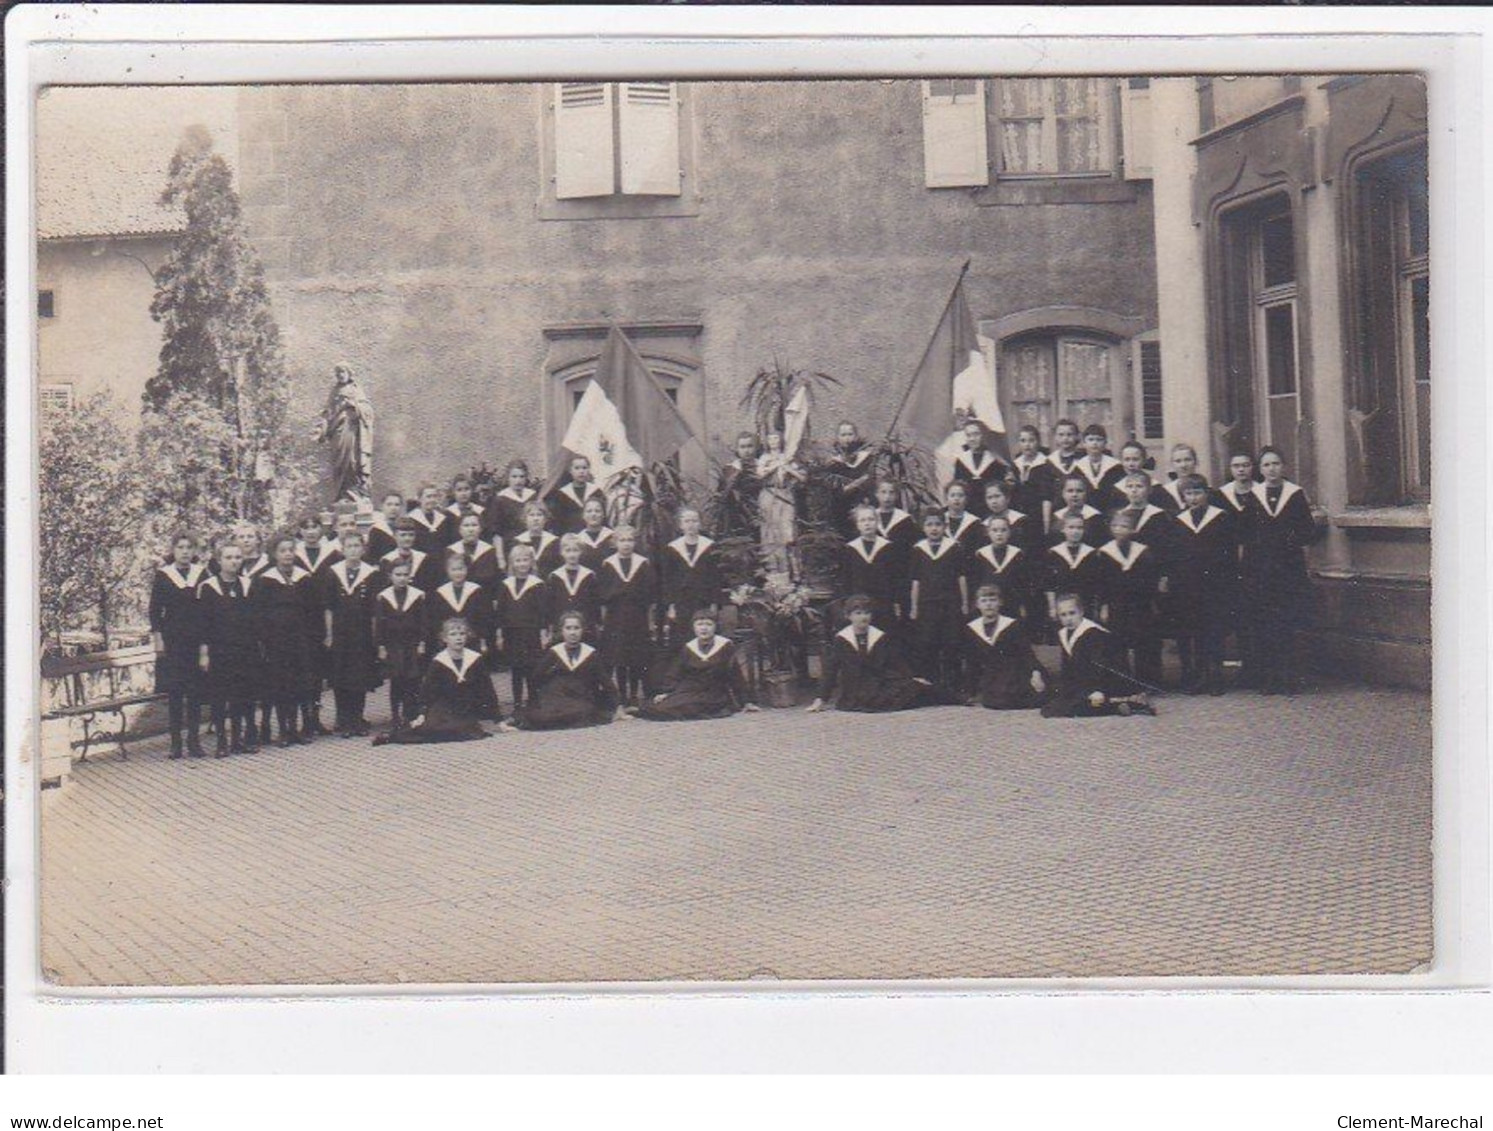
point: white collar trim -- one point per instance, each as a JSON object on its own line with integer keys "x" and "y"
{"x": 581, "y": 573}
{"x": 1002, "y": 622}
{"x": 1287, "y": 489}
{"x": 274, "y": 574}
{"x": 1185, "y": 518}
{"x": 339, "y": 570}
{"x": 459, "y": 669}
{"x": 468, "y": 588}
{"x": 946, "y": 543}
{"x": 193, "y": 575}
{"x": 1071, "y": 636}
{"x": 1012, "y": 553}
{"x": 585, "y": 654}
{"x": 1111, "y": 549}
{"x": 873, "y": 634}
{"x": 858, "y": 544}
{"x": 517, "y": 590}
{"x": 717, "y": 643}
{"x": 615, "y": 561}
{"x": 1084, "y": 550}
{"x": 678, "y": 545}
{"x": 391, "y": 598}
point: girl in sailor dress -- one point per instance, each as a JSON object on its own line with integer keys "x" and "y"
{"x": 1012, "y": 569}
{"x": 1128, "y": 580}
{"x": 1275, "y": 573}
{"x": 597, "y": 538}
{"x": 462, "y": 504}
{"x": 961, "y": 523}
{"x": 463, "y": 599}
{"x": 571, "y": 684}
{"x": 1237, "y": 498}
{"x": 629, "y": 597}
{"x": 1101, "y": 471}
{"x": 977, "y": 467}
{"x": 573, "y": 587}
{"x": 900, "y": 529}
{"x": 1033, "y": 487}
{"x": 485, "y": 564}
{"x": 1001, "y": 671}
{"x": 1072, "y": 566}
{"x": 505, "y": 510}
{"x": 173, "y": 632}
{"x": 1168, "y": 495}
{"x": 432, "y": 523}
{"x": 456, "y": 694}
{"x": 422, "y": 566}
{"x": 1203, "y": 562}
{"x": 523, "y": 619}
{"x": 869, "y": 567}
{"x": 705, "y": 682}
{"x": 691, "y": 575}
{"x": 939, "y": 598}
{"x": 568, "y": 503}
{"x": 537, "y": 537}
{"x": 289, "y": 601}
{"x": 351, "y": 589}
{"x": 380, "y": 537}
{"x": 1026, "y": 531}
{"x": 229, "y": 644}
{"x": 1092, "y": 680}
{"x": 864, "y": 670}
{"x": 399, "y": 633}
{"x": 1064, "y": 454}
{"x": 1075, "y": 501}
{"x": 316, "y": 556}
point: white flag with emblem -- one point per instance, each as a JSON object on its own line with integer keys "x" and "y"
{"x": 596, "y": 432}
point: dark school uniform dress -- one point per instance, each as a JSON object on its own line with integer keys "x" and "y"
{"x": 1011, "y": 568}
{"x": 505, "y": 513}
{"x": 1168, "y": 496}
{"x": 873, "y": 570}
{"x": 1090, "y": 663}
{"x": 596, "y": 547}
{"x": 353, "y": 659}
{"x": 317, "y": 562}
{"x": 1274, "y": 566}
{"x": 1103, "y": 481}
{"x": 257, "y": 566}
{"x": 434, "y": 531}
{"x": 1239, "y": 503}
{"x": 998, "y": 665}
{"x": 691, "y": 577}
{"x": 482, "y": 564}
{"x": 455, "y": 695}
{"x": 568, "y": 505}
{"x": 705, "y": 684}
{"x": 628, "y": 592}
{"x": 522, "y": 609}
{"x": 937, "y": 574}
{"x": 289, "y": 608}
{"x": 737, "y": 490}
{"x": 422, "y": 567}
{"x": 1060, "y": 466}
{"x": 546, "y": 549}
{"x": 379, "y": 540}
{"x": 1033, "y": 486}
{"x": 571, "y": 687}
{"x": 977, "y": 469}
{"x": 229, "y": 624}
{"x": 399, "y": 629}
{"x": 845, "y": 470}
{"x": 901, "y": 530}
{"x": 1026, "y": 529}
{"x": 1128, "y": 581}
{"x": 1095, "y": 529}
{"x": 173, "y": 614}
{"x": 1067, "y": 570}
{"x": 455, "y": 512}
{"x": 967, "y": 530}
{"x": 472, "y": 604}
{"x": 579, "y": 592}
{"x": 1203, "y": 561}
{"x": 870, "y": 673}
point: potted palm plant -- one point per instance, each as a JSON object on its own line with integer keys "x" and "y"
{"x": 782, "y": 615}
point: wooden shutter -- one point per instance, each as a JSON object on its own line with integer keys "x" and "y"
{"x": 649, "y": 131}
{"x": 955, "y": 153}
{"x": 1135, "y": 129}
{"x": 585, "y": 161}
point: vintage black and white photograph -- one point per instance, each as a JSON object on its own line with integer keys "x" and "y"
{"x": 504, "y": 533}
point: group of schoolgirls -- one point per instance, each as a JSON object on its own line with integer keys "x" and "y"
{"x": 432, "y": 599}
{"x": 1076, "y": 547}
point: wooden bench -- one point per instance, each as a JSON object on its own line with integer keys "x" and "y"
{"x": 97, "y": 685}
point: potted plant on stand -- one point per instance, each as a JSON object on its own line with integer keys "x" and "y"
{"x": 782, "y": 617}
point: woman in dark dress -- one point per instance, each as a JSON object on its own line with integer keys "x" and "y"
{"x": 173, "y": 631}
{"x": 1001, "y": 671}
{"x": 288, "y": 602}
{"x": 867, "y": 669}
{"x": 707, "y": 683}
{"x": 1277, "y": 586}
{"x": 571, "y": 684}
{"x": 456, "y": 695}
{"x": 229, "y": 651}
{"x": 505, "y": 510}
{"x": 351, "y": 589}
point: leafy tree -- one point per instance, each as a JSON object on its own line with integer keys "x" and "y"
{"x": 90, "y": 508}
{"x": 222, "y": 374}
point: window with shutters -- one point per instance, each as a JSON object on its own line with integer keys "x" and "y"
{"x": 1146, "y": 369}
{"x": 1055, "y": 127}
{"x": 617, "y": 149}
{"x": 1046, "y": 376}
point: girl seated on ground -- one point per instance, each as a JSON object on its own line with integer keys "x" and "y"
{"x": 868, "y": 670}
{"x": 1092, "y": 680}
{"x": 571, "y": 686}
{"x": 706, "y": 682}
{"x": 456, "y": 695}
{"x": 1001, "y": 671}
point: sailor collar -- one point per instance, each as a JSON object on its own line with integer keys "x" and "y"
{"x": 545, "y": 538}
{"x": 390, "y": 597}
{"x": 1002, "y": 622}
{"x": 561, "y": 650}
{"x": 1146, "y": 515}
{"x": 416, "y": 557}
{"x": 1084, "y": 550}
{"x": 1287, "y": 489}
{"x": 274, "y": 574}
{"x": 945, "y": 544}
{"x": 216, "y": 583}
{"x": 602, "y": 535}
{"x": 517, "y": 588}
{"x": 858, "y": 544}
{"x": 259, "y": 565}
{"x": 1070, "y": 637}
{"x": 1230, "y": 491}
{"x": 1087, "y": 513}
{"x": 418, "y": 515}
{"x": 855, "y": 458}
{"x": 461, "y": 547}
{"x": 1173, "y": 488}
{"x": 898, "y": 514}
{"x": 615, "y": 561}
{"x": 1010, "y": 514}
{"x": 966, "y": 457}
{"x": 522, "y": 495}
{"x": 1025, "y": 466}
{"x": 1055, "y": 458}
{"x": 580, "y": 498}
{"x": 966, "y": 520}
{"x": 193, "y": 575}
{"x": 873, "y": 634}
{"x": 379, "y": 522}
{"x": 324, "y": 550}
{"x": 1111, "y": 549}
{"x": 680, "y": 548}
{"x": 716, "y": 644}
{"x": 459, "y": 668}
{"x": 1085, "y": 467}
{"x": 448, "y": 591}
{"x": 1197, "y": 526}
{"x": 461, "y": 510}
{"x": 988, "y": 553}
{"x": 563, "y": 573}
{"x": 339, "y": 571}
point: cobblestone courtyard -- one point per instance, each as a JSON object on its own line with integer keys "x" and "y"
{"x": 1228, "y": 836}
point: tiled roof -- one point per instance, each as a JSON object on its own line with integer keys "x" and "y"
{"x": 102, "y": 156}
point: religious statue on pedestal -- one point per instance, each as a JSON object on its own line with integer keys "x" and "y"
{"x": 347, "y": 424}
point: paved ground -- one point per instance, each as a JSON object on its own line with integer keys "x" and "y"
{"x": 1229, "y": 836}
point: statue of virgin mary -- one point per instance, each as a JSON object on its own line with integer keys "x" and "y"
{"x": 347, "y": 424}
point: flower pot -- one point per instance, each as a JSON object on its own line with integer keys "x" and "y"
{"x": 780, "y": 689}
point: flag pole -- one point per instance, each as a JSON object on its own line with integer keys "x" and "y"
{"x": 907, "y": 392}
